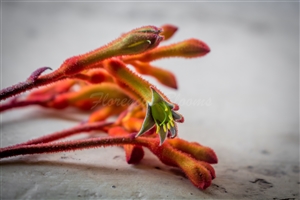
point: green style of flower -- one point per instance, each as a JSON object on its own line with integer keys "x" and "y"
{"x": 161, "y": 114}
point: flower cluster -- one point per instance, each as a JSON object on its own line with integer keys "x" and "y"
{"x": 106, "y": 87}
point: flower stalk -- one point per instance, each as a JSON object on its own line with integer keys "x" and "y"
{"x": 133, "y": 112}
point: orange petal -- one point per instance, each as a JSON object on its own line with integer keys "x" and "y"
{"x": 165, "y": 77}
{"x": 190, "y": 48}
{"x": 105, "y": 112}
{"x": 132, "y": 124}
{"x": 52, "y": 90}
{"x": 198, "y": 173}
{"x": 134, "y": 153}
{"x": 91, "y": 96}
{"x": 168, "y": 31}
{"x": 196, "y": 150}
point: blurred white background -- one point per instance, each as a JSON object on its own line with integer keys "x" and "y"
{"x": 242, "y": 99}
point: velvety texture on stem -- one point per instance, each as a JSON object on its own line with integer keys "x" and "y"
{"x": 134, "y": 42}
{"x": 199, "y": 172}
{"x": 88, "y": 127}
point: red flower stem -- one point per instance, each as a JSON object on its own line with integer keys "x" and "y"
{"x": 72, "y": 145}
{"x": 68, "y": 132}
{"x": 25, "y": 86}
{"x": 134, "y": 42}
{"x": 36, "y": 82}
{"x": 19, "y": 104}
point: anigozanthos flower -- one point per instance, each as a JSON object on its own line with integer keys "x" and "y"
{"x": 160, "y": 113}
{"x": 103, "y": 73}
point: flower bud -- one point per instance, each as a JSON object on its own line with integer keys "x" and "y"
{"x": 138, "y": 40}
{"x": 168, "y": 31}
{"x": 187, "y": 49}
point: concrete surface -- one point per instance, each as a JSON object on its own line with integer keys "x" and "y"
{"x": 242, "y": 99}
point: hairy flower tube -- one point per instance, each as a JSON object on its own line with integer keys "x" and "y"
{"x": 159, "y": 111}
{"x": 136, "y": 41}
{"x": 133, "y": 113}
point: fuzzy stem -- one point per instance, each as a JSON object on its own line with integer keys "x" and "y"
{"x": 68, "y": 132}
{"x": 72, "y": 145}
{"x": 134, "y": 42}
{"x": 19, "y": 104}
{"x": 25, "y": 86}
